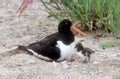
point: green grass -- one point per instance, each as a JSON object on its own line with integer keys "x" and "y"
{"x": 90, "y": 14}
{"x": 107, "y": 44}
{"x": 116, "y": 76}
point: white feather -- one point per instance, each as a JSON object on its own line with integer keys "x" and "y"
{"x": 66, "y": 50}
{"x": 38, "y": 55}
{"x": 81, "y": 55}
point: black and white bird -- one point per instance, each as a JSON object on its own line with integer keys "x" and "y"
{"x": 58, "y": 46}
{"x": 83, "y": 52}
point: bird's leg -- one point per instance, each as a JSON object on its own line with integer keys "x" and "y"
{"x": 23, "y": 5}
{"x": 86, "y": 59}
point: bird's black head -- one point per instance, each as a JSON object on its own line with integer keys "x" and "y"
{"x": 64, "y": 26}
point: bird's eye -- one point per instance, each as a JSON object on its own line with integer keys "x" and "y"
{"x": 66, "y": 23}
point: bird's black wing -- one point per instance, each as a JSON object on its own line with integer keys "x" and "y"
{"x": 47, "y": 46}
{"x": 45, "y": 42}
{"x": 49, "y": 40}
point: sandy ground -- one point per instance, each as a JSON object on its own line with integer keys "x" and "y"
{"x": 31, "y": 27}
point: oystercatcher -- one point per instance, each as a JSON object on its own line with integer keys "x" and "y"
{"x": 58, "y": 46}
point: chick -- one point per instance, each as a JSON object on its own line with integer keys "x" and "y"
{"x": 83, "y": 52}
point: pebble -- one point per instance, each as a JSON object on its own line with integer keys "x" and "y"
{"x": 65, "y": 66}
{"x": 31, "y": 61}
{"x": 113, "y": 55}
{"x": 96, "y": 62}
{"x": 85, "y": 72}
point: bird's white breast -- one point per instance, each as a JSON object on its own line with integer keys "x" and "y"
{"x": 66, "y": 51}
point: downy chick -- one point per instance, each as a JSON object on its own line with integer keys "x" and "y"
{"x": 83, "y": 52}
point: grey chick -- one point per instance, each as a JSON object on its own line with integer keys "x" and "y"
{"x": 83, "y": 52}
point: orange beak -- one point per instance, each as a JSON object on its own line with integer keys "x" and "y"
{"x": 77, "y": 30}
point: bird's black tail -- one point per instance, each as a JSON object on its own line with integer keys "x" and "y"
{"x": 22, "y": 48}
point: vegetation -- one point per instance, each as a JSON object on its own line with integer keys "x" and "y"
{"x": 116, "y": 76}
{"x": 110, "y": 44}
{"x": 90, "y": 15}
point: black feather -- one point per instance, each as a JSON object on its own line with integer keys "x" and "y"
{"x": 47, "y": 46}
